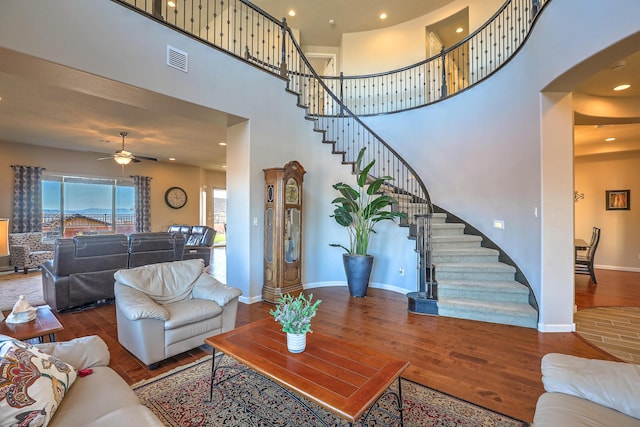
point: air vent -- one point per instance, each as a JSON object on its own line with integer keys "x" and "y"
{"x": 177, "y": 58}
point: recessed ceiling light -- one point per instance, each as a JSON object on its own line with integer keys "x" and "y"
{"x": 459, "y": 30}
{"x": 171, "y": 4}
{"x": 173, "y": 159}
{"x": 292, "y": 12}
{"x": 383, "y": 15}
{"x": 222, "y": 143}
{"x": 224, "y": 166}
{"x": 610, "y": 139}
{"x": 622, "y": 87}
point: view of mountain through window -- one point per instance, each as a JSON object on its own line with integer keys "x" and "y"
{"x": 74, "y": 206}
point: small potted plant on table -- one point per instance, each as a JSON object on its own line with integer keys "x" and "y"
{"x": 295, "y": 314}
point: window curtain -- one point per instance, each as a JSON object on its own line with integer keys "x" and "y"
{"x": 27, "y": 198}
{"x": 142, "y": 221}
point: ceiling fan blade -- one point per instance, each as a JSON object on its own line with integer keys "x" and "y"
{"x": 105, "y": 158}
{"x": 153, "y": 159}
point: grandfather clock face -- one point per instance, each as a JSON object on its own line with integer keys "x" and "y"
{"x": 292, "y": 192}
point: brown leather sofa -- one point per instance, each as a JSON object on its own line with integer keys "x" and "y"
{"x": 82, "y": 268}
{"x": 198, "y": 241}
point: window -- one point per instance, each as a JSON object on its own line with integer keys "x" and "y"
{"x": 73, "y": 206}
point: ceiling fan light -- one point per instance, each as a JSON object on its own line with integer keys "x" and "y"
{"x": 122, "y": 160}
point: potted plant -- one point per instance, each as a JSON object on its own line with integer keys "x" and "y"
{"x": 295, "y": 314}
{"x": 359, "y": 210}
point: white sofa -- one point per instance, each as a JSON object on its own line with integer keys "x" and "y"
{"x": 588, "y": 392}
{"x": 100, "y": 399}
{"x": 169, "y": 308}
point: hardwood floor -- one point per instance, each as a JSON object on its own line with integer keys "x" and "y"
{"x": 494, "y": 366}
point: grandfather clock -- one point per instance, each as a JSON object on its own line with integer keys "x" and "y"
{"x": 282, "y": 231}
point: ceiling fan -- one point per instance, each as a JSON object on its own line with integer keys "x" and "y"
{"x": 124, "y": 157}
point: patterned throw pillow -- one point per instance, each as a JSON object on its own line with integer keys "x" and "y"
{"x": 32, "y": 384}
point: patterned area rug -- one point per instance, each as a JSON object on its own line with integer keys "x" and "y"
{"x": 246, "y": 398}
{"x": 12, "y": 285}
{"x": 615, "y": 330}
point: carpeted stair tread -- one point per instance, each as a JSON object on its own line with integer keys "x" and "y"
{"x": 476, "y": 266}
{"x": 475, "y": 271}
{"x": 471, "y": 254}
{"x": 510, "y": 286}
{"x": 489, "y": 311}
{"x": 447, "y": 227}
{"x": 456, "y": 241}
{"x": 484, "y": 290}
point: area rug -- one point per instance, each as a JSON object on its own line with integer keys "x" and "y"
{"x": 179, "y": 399}
{"x": 13, "y": 285}
{"x": 615, "y": 330}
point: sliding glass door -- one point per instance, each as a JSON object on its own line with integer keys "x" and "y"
{"x": 75, "y": 206}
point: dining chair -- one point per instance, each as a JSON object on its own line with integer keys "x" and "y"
{"x": 584, "y": 263}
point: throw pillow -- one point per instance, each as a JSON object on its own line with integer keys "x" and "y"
{"x": 193, "y": 241}
{"x": 32, "y": 383}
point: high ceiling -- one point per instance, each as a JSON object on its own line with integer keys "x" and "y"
{"x": 86, "y": 113}
{"x": 321, "y": 23}
{"x": 611, "y": 114}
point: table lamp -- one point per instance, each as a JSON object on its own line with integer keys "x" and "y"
{"x": 4, "y": 237}
{"x": 4, "y": 243}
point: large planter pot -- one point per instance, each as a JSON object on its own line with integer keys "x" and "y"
{"x": 358, "y": 270}
{"x": 296, "y": 343}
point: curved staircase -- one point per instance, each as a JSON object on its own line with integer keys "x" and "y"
{"x": 472, "y": 283}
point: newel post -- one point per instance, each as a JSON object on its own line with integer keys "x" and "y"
{"x": 443, "y": 89}
{"x": 341, "y": 93}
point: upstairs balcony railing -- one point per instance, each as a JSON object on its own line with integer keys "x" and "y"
{"x": 449, "y": 72}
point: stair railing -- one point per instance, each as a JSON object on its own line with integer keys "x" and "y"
{"x": 348, "y": 134}
{"x": 451, "y": 71}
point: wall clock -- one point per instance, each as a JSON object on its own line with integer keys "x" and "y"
{"x": 175, "y": 197}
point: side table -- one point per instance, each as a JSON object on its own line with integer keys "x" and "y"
{"x": 44, "y": 325}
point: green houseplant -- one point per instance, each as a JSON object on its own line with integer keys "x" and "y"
{"x": 359, "y": 209}
{"x": 294, "y": 315}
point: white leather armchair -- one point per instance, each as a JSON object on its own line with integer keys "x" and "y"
{"x": 169, "y": 308}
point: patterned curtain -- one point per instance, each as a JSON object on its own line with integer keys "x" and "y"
{"x": 27, "y": 198}
{"x": 143, "y": 203}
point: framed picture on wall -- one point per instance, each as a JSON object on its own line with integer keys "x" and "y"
{"x": 618, "y": 200}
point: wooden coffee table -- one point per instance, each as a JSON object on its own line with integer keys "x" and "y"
{"x": 44, "y": 325}
{"x": 340, "y": 376}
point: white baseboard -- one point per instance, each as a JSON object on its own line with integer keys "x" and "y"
{"x": 542, "y": 327}
{"x": 618, "y": 268}
{"x": 384, "y": 286}
{"x": 250, "y": 300}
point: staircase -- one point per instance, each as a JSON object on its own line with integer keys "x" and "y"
{"x": 472, "y": 283}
